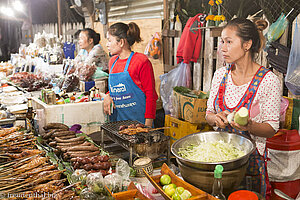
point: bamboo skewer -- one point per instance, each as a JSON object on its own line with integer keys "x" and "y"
{"x": 26, "y": 183}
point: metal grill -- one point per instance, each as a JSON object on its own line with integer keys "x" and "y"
{"x": 112, "y": 130}
{"x": 151, "y": 144}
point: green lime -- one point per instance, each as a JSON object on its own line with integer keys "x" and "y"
{"x": 186, "y": 195}
{"x": 165, "y": 179}
{"x": 176, "y": 196}
{"x": 164, "y": 187}
{"x": 179, "y": 190}
{"x": 170, "y": 191}
{"x": 173, "y": 185}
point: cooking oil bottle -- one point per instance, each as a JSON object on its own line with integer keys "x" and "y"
{"x": 217, "y": 188}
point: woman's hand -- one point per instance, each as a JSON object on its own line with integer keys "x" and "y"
{"x": 221, "y": 119}
{"x": 107, "y": 102}
{"x": 242, "y": 128}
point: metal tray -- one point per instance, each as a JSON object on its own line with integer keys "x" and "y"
{"x": 10, "y": 120}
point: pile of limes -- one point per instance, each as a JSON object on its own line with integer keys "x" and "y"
{"x": 176, "y": 193}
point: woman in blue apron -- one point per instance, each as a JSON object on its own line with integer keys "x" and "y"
{"x": 244, "y": 83}
{"x": 131, "y": 82}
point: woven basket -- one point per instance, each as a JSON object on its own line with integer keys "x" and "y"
{"x": 141, "y": 163}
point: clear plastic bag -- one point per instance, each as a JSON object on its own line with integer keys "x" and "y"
{"x": 292, "y": 78}
{"x": 123, "y": 169}
{"x": 153, "y": 47}
{"x": 114, "y": 182}
{"x": 95, "y": 183}
{"x": 180, "y": 76}
{"x": 86, "y": 72}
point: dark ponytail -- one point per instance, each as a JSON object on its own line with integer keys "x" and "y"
{"x": 130, "y": 32}
{"x": 92, "y": 35}
{"x": 247, "y": 30}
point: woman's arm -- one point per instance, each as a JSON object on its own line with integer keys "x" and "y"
{"x": 148, "y": 86}
{"x": 255, "y": 128}
{"x": 148, "y": 122}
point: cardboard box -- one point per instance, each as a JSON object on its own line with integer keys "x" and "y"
{"x": 179, "y": 128}
{"x": 190, "y": 109}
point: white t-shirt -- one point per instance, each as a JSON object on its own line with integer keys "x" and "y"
{"x": 265, "y": 106}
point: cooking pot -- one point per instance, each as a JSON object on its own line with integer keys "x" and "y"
{"x": 239, "y": 141}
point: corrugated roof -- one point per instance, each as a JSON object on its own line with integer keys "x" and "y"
{"x": 123, "y": 10}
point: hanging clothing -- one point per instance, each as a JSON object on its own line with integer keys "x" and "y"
{"x": 129, "y": 99}
{"x": 69, "y": 50}
{"x": 256, "y": 175}
{"x": 189, "y": 46}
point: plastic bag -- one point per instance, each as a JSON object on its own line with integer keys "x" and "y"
{"x": 180, "y": 76}
{"x": 114, "y": 182}
{"x": 70, "y": 83}
{"x": 95, "y": 183}
{"x": 85, "y": 72}
{"x": 276, "y": 29}
{"x": 292, "y": 78}
{"x": 123, "y": 169}
{"x": 153, "y": 47}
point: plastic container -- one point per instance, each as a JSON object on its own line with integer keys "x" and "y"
{"x": 283, "y": 166}
{"x": 243, "y": 195}
{"x": 89, "y": 115}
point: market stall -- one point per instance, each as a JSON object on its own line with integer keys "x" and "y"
{"x": 55, "y": 137}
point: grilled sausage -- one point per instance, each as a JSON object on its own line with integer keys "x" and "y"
{"x": 56, "y": 126}
{"x": 81, "y": 138}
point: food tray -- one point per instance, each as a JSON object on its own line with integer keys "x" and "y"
{"x": 131, "y": 194}
{"x": 196, "y": 193}
{"x": 7, "y": 121}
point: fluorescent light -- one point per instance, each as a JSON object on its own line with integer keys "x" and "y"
{"x": 7, "y": 11}
{"x": 18, "y": 6}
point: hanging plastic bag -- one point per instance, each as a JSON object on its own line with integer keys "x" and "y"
{"x": 292, "y": 79}
{"x": 153, "y": 47}
{"x": 277, "y": 29}
{"x": 180, "y": 76}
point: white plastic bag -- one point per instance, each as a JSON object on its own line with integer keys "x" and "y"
{"x": 180, "y": 76}
{"x": 292, "y": 79}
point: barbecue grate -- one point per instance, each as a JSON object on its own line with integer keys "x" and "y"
{"x": 112, "y": 130}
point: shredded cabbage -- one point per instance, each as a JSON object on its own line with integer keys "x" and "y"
{"x": 211, "y": 152}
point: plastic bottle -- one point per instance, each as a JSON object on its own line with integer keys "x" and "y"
{"x": 55, "y": 88}
{"x": 217, "y": 188}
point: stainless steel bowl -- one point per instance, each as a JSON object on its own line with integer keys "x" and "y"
{"x": 239, "y": 141}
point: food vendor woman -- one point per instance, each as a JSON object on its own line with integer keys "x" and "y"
{"x": 91, "y": 51}
{"x": 131, "y": 78}
{"x": 244, "y": 83}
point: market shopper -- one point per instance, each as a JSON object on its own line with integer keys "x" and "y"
{"x": 131, "y": 78}
{"x": 90, "y": 49}
{"x": 244, "y": 83}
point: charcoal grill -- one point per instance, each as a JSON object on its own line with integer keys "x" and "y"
{"x": 152, "y": 144}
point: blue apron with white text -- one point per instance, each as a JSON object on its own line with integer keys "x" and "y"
{"x": 129, "y": 99}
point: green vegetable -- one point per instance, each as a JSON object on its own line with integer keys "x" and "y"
{"x": 211, "y": 152}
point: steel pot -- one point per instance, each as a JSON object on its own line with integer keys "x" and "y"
{"x": 239, "y": 141}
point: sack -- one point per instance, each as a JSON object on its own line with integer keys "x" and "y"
{"x": 180, "y": 76}
{"x": 292, "y": 79}
{"x": 153, "y": 47}
{"x": 278, "y": 56}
